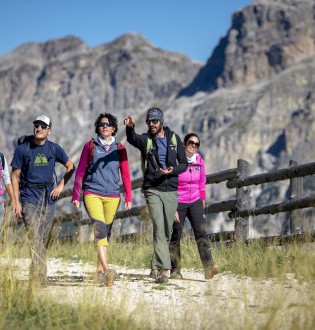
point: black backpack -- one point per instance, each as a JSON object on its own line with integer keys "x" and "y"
{"x": 26, "y": 140}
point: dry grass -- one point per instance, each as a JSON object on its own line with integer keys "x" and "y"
{"x": 254, "y": 259}
{"x": 25, "y": 307}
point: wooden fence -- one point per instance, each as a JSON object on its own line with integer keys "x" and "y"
{"x": 239, "y": 178}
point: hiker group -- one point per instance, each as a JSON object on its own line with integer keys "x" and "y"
{"x": 173, "y": 186}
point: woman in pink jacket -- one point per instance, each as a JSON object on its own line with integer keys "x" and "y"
{"x": 191, "y": 204}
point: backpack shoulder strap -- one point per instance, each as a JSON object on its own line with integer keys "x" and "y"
{"x": 144, "y": 163}
{"x": 149, "y": 145}
{"x": 53, "y": 148}
{"x": 91, "y": 151}
{"x": 174, "y": 140}
{"x": 174, "y": 143}
{"x": 26, "y": 152}
{"x": 2, "y": 160}
{"x": 26, "y": 141}
{"x": 120, "y": 149}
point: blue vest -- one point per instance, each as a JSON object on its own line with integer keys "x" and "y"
{"x": 103, "y": 172}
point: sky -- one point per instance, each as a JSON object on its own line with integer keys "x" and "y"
{"x": 192, "y": 27}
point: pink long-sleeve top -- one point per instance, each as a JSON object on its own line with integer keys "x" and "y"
{"x": 192, "y": 182}
{"x": 103, "y": 179}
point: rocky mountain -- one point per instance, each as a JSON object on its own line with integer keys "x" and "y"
{"x": 253, "y": 99}
{"x": 74, "y": 83}
{"x": 264, "y": 39}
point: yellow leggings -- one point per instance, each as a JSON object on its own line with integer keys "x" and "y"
{"x": 102, "y": 211}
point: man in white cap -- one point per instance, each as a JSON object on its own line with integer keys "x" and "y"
{"x": 164, "y": 158}
{"x": 33, "y": 166}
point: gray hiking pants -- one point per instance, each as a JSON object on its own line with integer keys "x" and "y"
{"x": 38, "y": 220}
{"x": 162, "y": 207}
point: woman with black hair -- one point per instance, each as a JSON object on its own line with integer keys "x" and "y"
{"x": 101, "y": 161}
{"x": 191, "y": 204}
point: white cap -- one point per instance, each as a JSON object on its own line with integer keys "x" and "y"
{"x": 45, "y": 119}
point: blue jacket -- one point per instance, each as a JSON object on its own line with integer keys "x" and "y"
{"x": 103, "y": 171}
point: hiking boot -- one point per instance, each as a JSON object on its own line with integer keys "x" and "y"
{"x": 161, "y": 279}
{"x": 111, "y": 276}
{"x": 176, "y": 275}
{"x": 101, "y": 277}
{"x": 211, "y": 271}
{"x": 154, "y": 274}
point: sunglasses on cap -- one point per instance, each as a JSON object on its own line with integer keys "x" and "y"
{"x": 153, "y": 121}
{"x": 193, "y": 143}
{"x": 105, "y": 123}
{"x": 42, "y": 126}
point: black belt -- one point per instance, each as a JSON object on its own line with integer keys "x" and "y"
{"x": 36, "y": 185}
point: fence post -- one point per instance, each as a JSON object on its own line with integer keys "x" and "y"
{"x": 296, "y": 192}
{"x": 242, "y": 202}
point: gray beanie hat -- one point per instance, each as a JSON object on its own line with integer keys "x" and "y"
{"x": 155, "y": 113}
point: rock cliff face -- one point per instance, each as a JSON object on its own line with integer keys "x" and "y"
{"x": 267, "y": 123}
{"x": 264, "y": 39}
{"x": 254, "y": 98}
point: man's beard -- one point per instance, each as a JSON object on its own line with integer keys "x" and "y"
{"x": 158, "y": 130}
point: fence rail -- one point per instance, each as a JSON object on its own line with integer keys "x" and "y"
{"x": 221, "y": 207}
{"x": 239, "y": 208}
{"x": 222, "y": 176}
{"x": 279, "y": 175}
{"x": 276, "y": 208}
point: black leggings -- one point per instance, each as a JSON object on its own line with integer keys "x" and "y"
{"x": 195, "y": 214}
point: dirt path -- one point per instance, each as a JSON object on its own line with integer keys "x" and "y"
{"x": 227, "y": 300}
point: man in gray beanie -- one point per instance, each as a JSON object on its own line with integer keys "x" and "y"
{"x": 163, "y": 158}
{"x": 155, "y": 113}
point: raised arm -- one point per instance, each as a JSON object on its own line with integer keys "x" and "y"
{"x": 133, "y": 138}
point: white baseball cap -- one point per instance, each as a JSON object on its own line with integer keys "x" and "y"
{"x": 43, "y": 118}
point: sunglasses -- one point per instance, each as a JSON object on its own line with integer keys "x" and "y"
{"x": 42, "y": 126}
{"x": 153, "y": 121}
{"x": 193, "y": 143}
{"x": 105, "y": 123}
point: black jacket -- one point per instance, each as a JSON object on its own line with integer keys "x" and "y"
{"x": 175, "y": 157}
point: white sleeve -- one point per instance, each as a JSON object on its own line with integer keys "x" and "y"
{"x": 5, "y": 173}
